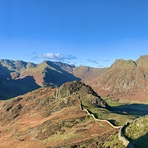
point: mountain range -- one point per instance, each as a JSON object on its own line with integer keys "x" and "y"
{"x": 19, "y": 77}
{"x": 54, "y": 104}
{"x": 125, "y": 80}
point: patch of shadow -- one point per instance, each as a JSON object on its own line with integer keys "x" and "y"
{"x": 141, "y": 142}
{"x": 131, "y": 109}
{"x": 113, "y": 122}
{"x": 12, "y": 88}
{"x": 57, "y": 76}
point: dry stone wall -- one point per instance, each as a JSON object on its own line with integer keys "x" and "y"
{"x": 121, "y": 136}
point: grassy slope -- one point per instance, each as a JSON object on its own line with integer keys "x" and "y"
{"x": 137, "y": 132}
{"x": 40, "y": 119}
{"x": 120, "y": 113}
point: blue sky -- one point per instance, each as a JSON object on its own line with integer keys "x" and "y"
{"x": 83, "y": 32}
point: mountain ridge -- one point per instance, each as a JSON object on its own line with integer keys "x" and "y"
{"x": 14, "y": 73}
{"x": 123, "y": 80}
{"x": 51, "y": 117}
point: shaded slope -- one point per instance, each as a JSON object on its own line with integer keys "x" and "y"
{"x": 19, "y": 77}
{"x": 51, "y": 117}
{"x": 10, "y": 86}
{"x": 50, "y": 73}
{"x": 58, "y": 76}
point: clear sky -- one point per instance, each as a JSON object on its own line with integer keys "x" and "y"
{"x": 83, "y": 32}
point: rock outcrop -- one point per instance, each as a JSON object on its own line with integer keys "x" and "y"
{"x": 83, "y": 91}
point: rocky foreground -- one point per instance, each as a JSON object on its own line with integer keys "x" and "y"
{"x": 53, "y": 117}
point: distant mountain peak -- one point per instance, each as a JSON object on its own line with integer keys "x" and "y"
{"x": 144, "y": 57}
{"x": 125, "y": 79}
{"x": 13, "y": 65}
{"x": 142, "y": 61}
{"x": 120, "y": 63}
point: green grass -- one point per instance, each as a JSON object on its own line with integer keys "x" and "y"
{"x": 137, "y": 132}
{"x": 111, "y": 102}
{"x": 120, "y": 112}
{"x": 113, "y": 142}
{"x": 138, "y": 128}
{"x": 114, "y": 118}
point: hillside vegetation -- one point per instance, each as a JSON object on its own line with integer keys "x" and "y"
{"x": 137, "y": 132}
{"x": 53, "y": 117}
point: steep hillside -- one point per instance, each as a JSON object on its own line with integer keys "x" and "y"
{"x": 50, "y": 73}
{"x": 10, "y": 83}
{"x": 52, "y": 117}
{"x": 65, "y": 67}
{"x": 125, "y": 79}
{"x": 19, "y": 77}
{"x": 87, "y": 74}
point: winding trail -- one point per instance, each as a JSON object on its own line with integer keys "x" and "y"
{"x": 121, "y": 136}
